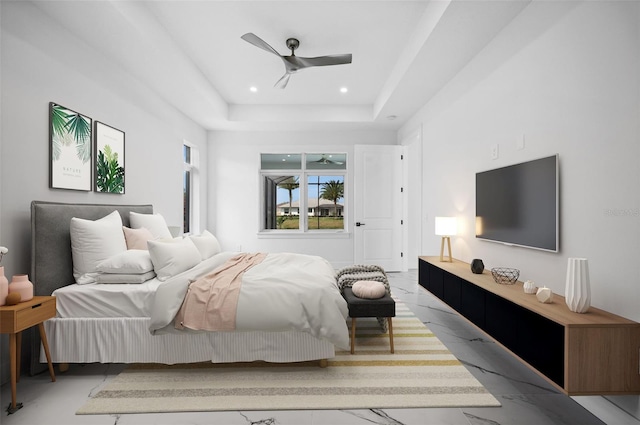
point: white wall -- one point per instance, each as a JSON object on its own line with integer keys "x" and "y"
{"x": 566, "y": 76}
{"x": 42, "y": 62}
{"x": 234, "y": 190}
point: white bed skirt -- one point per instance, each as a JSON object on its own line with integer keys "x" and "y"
{"x": 128, "y": 340}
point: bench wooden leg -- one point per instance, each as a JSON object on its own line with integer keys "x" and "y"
{"x": 353, "y": 335}
{"x": 390, "y": 324}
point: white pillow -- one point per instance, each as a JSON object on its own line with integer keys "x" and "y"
{"x": 93, "y": 242}
{"x": 155, "y": 223}
{"x": 370, "y": 289}
{"x": 172, "y": 257}
{"x": 137, "y": 238}
{"x": 207, "y": 244}
{"x": 132, "y": 261}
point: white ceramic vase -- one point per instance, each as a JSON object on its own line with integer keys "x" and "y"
{"x": 529, "y": 287}
{"x": 577, "y": 291}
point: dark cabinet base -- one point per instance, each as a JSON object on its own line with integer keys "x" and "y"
{"x": 546, "y": 337}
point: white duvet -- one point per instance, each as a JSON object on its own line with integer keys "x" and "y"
{"x": 285, "y": 292}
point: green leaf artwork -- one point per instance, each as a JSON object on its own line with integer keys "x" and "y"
{"x": 109, "y": 173}
{"x": 69, "y": 127}
{"x": 70, "y": 149}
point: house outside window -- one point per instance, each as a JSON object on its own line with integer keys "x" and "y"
{"x": 303, "y": 182}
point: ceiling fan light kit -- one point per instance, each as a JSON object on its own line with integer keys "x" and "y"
{"x": 293, "y": 63}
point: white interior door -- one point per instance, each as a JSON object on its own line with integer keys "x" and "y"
{"x": 378, "y": 206}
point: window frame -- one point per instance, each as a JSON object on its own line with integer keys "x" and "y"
{"x": 303, "y": 177}
{"x": 191, "y": 168}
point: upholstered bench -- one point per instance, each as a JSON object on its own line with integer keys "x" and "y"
{"x": 369, "y": 307}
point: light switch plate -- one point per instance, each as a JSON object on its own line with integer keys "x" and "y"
{"x": 495, "y": 152}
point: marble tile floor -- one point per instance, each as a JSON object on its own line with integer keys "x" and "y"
{"x": 526, "y": 398}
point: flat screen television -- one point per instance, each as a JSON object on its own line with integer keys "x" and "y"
{"x": 519, "y": 204}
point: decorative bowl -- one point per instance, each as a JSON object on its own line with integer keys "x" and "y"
{"x": 505, "y": 275}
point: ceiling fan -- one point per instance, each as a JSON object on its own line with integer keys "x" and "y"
{"x": 293, "y": 63}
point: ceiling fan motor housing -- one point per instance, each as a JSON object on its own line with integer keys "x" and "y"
{"x": 292, "y": 44}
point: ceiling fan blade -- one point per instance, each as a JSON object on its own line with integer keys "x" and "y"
{"x": 283, "y": 81}
{"x": 324, "y": 60}
{"x": 258, "y": 42}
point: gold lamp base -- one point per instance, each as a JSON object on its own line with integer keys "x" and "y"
{"x": 450, "y": 260}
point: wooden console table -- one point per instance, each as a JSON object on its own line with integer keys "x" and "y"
{"x": 16, "y": 318}
{"x": 592, "y": 353}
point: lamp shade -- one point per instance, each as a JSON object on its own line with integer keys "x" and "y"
{"x": 446, "y": 226}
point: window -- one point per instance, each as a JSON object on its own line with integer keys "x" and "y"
{"x": 326, "y": 202}
{"x": 295, "y": 183}
{"x": 187, "y": 188}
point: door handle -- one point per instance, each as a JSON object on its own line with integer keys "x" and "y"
{"x": 358, "y": 224}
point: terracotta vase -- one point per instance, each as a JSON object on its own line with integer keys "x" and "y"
{"x": 21, "y": 284}
{"x": 4, "y": 287}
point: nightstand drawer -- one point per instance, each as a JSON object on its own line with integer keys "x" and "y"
{"x": 37, "y": 313}
{"x": 16, "y": 318}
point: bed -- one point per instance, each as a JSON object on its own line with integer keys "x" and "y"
{"x": 134, "y": 322}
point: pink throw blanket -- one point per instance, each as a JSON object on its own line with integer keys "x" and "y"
{"x": 211, "y": 301}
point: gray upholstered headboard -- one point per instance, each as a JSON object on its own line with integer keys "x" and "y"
{"x": 51, "y": 260}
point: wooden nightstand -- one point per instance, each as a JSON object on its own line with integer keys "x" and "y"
{"x": 16, "y": 318}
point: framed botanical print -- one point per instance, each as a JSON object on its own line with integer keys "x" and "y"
{"x": 69, "y": 149}
{"x": 109, "y": 159}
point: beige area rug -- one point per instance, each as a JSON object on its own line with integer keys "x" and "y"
{"x": 421, "y": 373}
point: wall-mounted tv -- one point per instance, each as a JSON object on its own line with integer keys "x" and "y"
{"x": 519, "y": 204}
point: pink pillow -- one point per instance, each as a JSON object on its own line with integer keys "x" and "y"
{"x": 368, "y": 289}
{"x": 137, "y": 238}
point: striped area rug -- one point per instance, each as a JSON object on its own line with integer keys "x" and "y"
{"x": 421, "y": 373}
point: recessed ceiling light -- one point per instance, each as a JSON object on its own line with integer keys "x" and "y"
{"x": 253, "y": 89}
{"x": 391, "y": 117}
{"x": 343, "y": 89}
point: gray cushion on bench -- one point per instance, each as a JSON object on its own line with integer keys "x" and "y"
{"x": 366, "y": 307}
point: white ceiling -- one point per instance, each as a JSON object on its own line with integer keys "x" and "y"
{"x": 191, "y": 54}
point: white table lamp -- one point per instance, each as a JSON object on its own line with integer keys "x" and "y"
{"x": 446, "y": 227}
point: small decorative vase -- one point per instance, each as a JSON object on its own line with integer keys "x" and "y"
{"x": 21, "y": 284}
{"x": 577, "y": 292}
{"x": 544, "y": 295}
{"x": 477, "y": 266}
{"x": 4, "y": 287}
{"x": 529, "y": 287}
